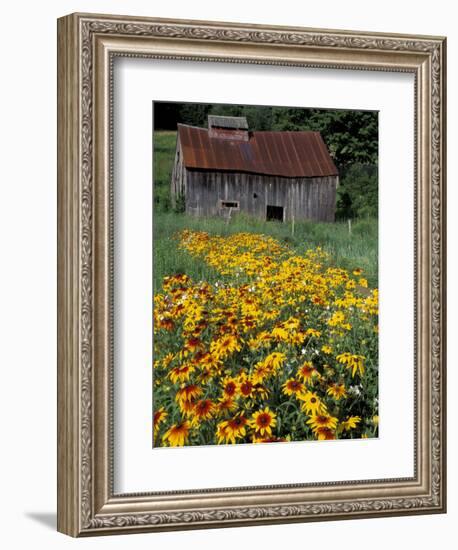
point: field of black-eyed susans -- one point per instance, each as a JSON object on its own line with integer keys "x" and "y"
{"x": 281, "y": 347}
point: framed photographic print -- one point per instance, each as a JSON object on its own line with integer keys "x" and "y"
{"x": 251, "y": 274}
{"x": 260, "y": 334}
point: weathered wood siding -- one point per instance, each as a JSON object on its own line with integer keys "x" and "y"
{"x": 301, "y": 198}
{"x": 178, "y": 180}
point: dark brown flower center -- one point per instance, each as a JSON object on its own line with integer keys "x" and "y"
{"x": 203, "y": 406}
{"x": 230, "y": 388}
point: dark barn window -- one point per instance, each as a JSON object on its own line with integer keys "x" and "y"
{"x": 230, "y": 204}
{"x": 274, "y": 213}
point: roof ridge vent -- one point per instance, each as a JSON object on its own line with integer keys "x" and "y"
{"x": 234, "y": 122}
{"x": 228, "y": 127}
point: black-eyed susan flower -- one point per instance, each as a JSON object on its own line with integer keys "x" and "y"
{"x": 297, "y": 338}
{"x": 263, "y": 421}
{"x": 230, "y": 430}
{"x": 167, "y": 360}
{"x": 260, "y": 391}
{"x": 324, "y": 433}
{"x": 225, "y": 346}
{"x": 280, "y": 334}
{"x": 230, "y": 386}
{"x": 292, "y": 323}
{"x": 336, "y": 319}
{"x": 206, "y": 374}
{"x": 159, "y": 416}
{"x": 246, "y": 386}
{"x": 337, "y": 391}
{"x": 318, "y": 300}
{"x": 322, "y": 420}
{"x": 350, "y": 423}
{"x": 307, "y": 372}
{"x": 271, "y": 314}
{"x": 350, "y": 285}
{"x": 248, "y": 323}
{"x": 186, "y": 408}
{"x": 275, "y": 360}
{"x": 166, "y": 323}
{"x": 226, "y": 405}
{"x": 203, "y": 409}
{"x": 263, "y": 339}
{"x": 261, "y": 372}
{"x": 181, "y": 374}
{"x": 193, "y": 344}
{"x": 209, "y": 361}
{"x": 177, "y": 435}
{"x": 293, "y": 387}
{"x": 353, "y": 362}
{"x": 311, "y": 403}
{"x": 187, "y": 394}
{"x": 186, "y": 397}
{"x": 363, "y": 282}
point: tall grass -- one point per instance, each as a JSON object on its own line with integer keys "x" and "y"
{"x": 358, "y": 249}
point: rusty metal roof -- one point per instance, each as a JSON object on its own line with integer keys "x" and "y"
{"x": 282, "y": 153}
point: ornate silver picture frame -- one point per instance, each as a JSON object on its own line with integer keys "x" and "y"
{"x": 87, "y": 47}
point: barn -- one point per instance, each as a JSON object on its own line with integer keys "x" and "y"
{"x": 272, "y": 175}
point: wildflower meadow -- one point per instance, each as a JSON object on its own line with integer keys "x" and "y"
{"x": 278, "y": 345}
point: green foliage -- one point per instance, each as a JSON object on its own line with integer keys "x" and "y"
{"x": 357, "y": 197}
{"x": 180, "y": 204}
{"x": 194, "y": 114}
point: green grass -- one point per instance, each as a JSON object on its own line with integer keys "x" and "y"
{"x": 164, "y": 155}
{"x": 348, "y": 251}
{"x": 360, "y": 249}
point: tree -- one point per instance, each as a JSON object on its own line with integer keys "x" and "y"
{"x": 351, "y": 137}
{"x": 357, "y": 196}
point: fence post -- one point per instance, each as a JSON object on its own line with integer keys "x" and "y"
{"x": 228, "y": 219}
